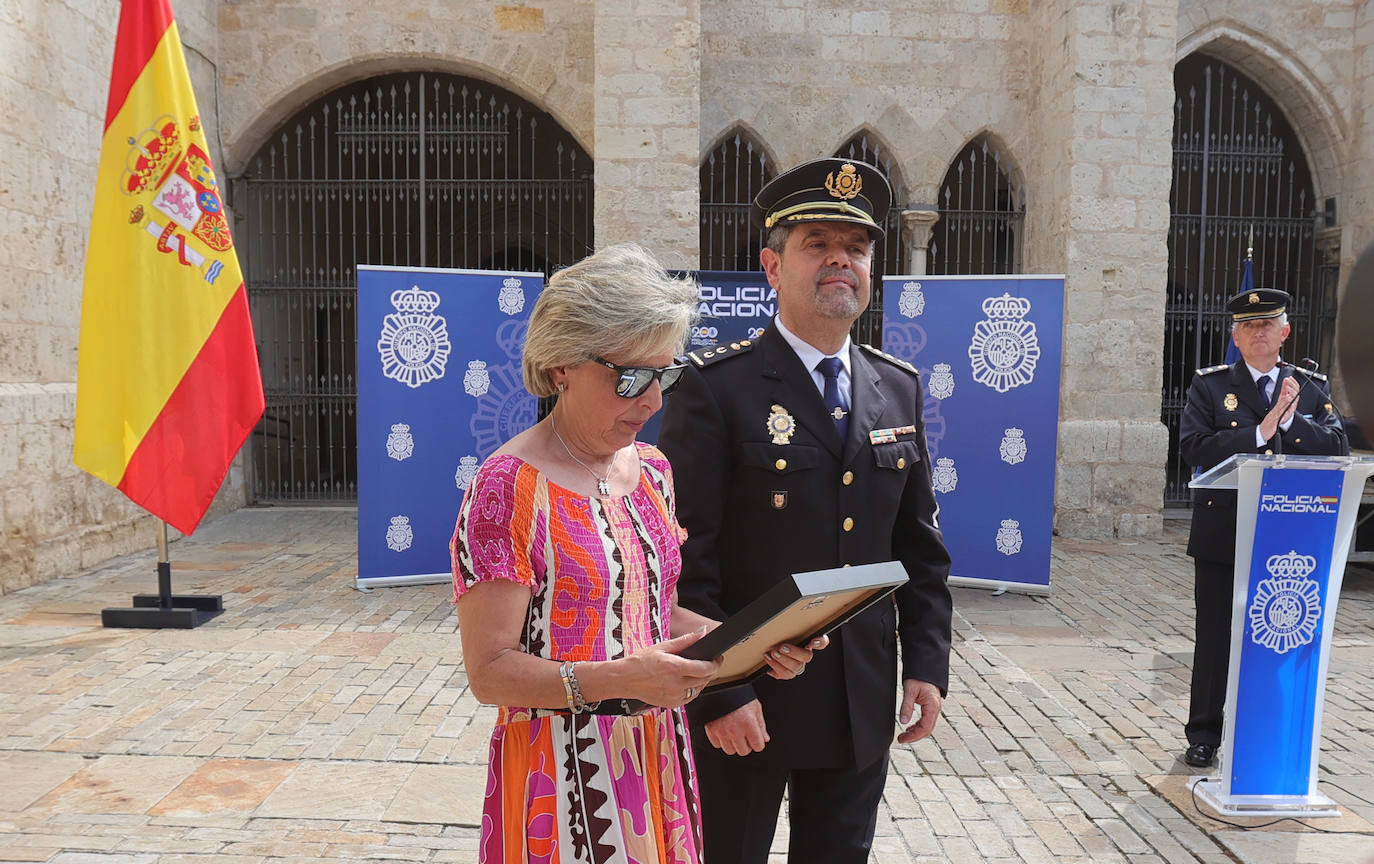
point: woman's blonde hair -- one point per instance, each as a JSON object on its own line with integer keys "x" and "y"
{"x": 616, "y": 301}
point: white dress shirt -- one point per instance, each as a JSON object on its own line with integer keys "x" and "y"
{"x": 811, "y": 355}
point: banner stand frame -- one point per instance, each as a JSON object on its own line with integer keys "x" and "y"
{"x": 164, "y": 610}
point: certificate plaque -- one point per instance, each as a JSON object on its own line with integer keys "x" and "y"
{"x": 795, "y": 611}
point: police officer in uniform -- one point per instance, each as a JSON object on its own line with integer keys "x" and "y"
{"x": 1257, "y": 405}
{"x": 801, "y": 451}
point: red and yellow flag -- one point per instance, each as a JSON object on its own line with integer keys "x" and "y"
{"x": 168, "y": 385}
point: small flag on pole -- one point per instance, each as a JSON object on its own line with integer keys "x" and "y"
{"x": 1247, "y": 283}
{"x": 168, "y": 386}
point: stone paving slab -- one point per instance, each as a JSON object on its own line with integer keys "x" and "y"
{"x": 313, "y": 721}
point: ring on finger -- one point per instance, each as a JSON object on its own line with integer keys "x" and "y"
{"x": 691, "y": 691}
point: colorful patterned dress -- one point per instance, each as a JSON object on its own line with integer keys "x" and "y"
{"x": 565, "y": 788}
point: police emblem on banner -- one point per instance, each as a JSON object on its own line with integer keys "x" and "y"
{"x": 941, "y": 381}
{"x": 912, "y": 302}
{"x": 399, "y": 535}
{"x": 466, "y": 473}
{"x": 414, "y": 345}
{"x": 1013, "y": 447}
{"x": 476, "y": 381}
{"x": 399, "y": 444}
{"x": 1286, "y": 606}
{"x": 512, "y": 298}
{"x": 1009, "y": 537}
{"x": 944, "y": 478}
{"x": 1004, "y": 348}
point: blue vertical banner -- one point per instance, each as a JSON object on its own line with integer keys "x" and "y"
{"x": 988, "y": 348}
{"x": 733, "y": 305}
{"x": 1277, "y": 673}
{"x": 439, "y": 390}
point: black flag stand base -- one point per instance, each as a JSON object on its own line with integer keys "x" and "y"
{"x": 165, "y": 610}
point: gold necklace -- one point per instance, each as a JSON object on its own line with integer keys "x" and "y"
{"x": 603, "y": 484}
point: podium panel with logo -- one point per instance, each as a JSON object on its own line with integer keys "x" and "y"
{"x": 1294, "y": 519}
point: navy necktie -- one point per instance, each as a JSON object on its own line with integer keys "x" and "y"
{"x": 835, "y": 403}
{"x": 1264, "y": 382}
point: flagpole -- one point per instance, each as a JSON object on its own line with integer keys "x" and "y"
{"x": 164, "y": 610}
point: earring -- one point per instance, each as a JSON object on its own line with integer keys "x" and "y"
{"x": 562, "y": 386}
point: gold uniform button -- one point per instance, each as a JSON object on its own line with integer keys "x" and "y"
{"x": 781, "y": 464}
{"x": 848, "y": 523}
{"x": 848, "y": 565}
{"x": 1297, "y": 440}
{"x": 1233, "y": 423}
{"x": 901, "y": 462}
{"x": 847, "y": 478}
{"x": 1268, "y": 452}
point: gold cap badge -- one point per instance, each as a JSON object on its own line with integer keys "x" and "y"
{"x": 1253, "y": 298}
{"x": 846, "y": 185}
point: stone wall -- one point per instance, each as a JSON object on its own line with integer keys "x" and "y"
{"x": 921, "y": 78}
{"x": 277, "y": 57}
{"x": 648, "y": 100}
{"x": 1105, "y": 75}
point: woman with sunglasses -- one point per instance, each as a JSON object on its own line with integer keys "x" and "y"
{"x": 565, "y": 566}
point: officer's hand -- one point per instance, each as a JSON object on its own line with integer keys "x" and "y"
{"x": 1270, "y": 424}
{"x": 1288, "y": 397}
{"x": 928, "y": 697}
{"x": 740, "y": 732}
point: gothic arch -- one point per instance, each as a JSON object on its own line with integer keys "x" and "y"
{"x": 1010, "y": 164}
{"x": 732, "y": 171}
{"x": 982, "y": 205}
{"x": 866, "y": 138}
{"x": 1296, "y": 89}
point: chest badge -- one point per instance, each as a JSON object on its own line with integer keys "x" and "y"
{"x": 781, "y": 425}
{"x": 1230, "y": 402}
{"x": 779, "y": 499}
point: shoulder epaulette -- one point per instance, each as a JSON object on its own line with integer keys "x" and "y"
{"x": 1210, "y": 369}
{"x": 706, "y": 356}
{"x": 895, "y": 361}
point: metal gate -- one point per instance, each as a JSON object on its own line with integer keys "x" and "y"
{"x": 411, "y": 169}
{"x": 1238, "y": 168}
{"x": 979, "y": 231}
{"x": 731, "y": 175}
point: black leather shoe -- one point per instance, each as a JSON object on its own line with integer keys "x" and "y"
{"x": 1200, "y": 755}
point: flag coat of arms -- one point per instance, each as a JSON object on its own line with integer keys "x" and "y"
{"x": 168, "y": 386}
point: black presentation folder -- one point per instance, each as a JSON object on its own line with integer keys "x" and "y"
{"x": 795, "y": 611}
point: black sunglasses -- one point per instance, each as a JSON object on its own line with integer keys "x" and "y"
{"x": 634, "y": 380}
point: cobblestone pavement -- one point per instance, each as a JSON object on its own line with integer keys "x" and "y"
{"x": 313, "y": 721}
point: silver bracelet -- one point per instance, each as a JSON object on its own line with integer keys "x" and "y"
{"x": 571, "y": 689}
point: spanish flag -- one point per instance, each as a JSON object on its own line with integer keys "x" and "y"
{"x": 168, "y": 385}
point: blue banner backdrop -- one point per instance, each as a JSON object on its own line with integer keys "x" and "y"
{"x": 1275, "y": 729}
{"x": 734, "y": 305}
{"x": 439, "y": 389}
{"x": 988, "y": 348}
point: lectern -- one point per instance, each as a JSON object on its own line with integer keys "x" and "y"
{"x": 1294, "y": 519}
